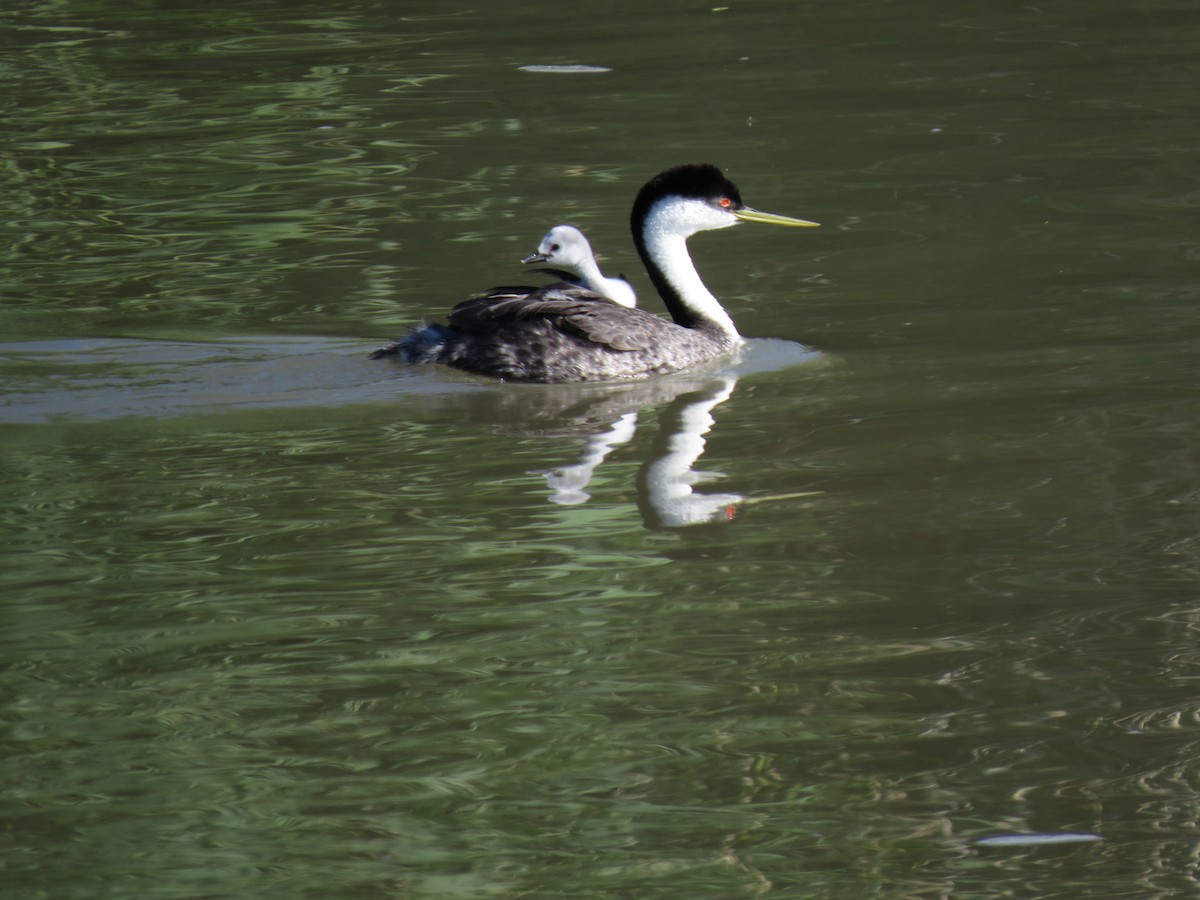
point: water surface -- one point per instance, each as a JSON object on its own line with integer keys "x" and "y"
{"x": 918, "y": 571}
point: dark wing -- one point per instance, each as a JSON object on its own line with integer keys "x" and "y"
{"x": 564, "y": 307}
{"x": 513, "y": 303}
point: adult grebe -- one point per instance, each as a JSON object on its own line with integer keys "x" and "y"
{"x": 568, "y": 251}
{"x": 558, "y": 334}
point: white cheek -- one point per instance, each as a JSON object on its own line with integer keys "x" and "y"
{"x": 684, "y": 217}
{"x": 717, "y": 218}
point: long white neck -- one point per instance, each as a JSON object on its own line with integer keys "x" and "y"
{"x": 616, "y": 289}
{"x": 589, "y": 273}
{"x": 667, "y": 227}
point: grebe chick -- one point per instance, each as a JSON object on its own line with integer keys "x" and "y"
{"x": 562, "y": 333}
{"x": 569, "y": 253}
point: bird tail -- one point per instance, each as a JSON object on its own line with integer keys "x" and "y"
{"x": 422, "y": 345}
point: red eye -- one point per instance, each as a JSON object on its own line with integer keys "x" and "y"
{"x": 726, "y": 203}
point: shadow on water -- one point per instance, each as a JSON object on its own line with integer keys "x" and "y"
{"x": 97, "y": 380}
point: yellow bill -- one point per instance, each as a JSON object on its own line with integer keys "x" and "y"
{"x": 753, "y": 215}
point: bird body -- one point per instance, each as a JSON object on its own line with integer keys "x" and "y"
{"x": 567, "y": 333}
{"x": 561, "y": 334}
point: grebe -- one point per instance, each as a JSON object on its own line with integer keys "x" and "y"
{"x": 561, "y": 333}
{"x": 565, "y": 248}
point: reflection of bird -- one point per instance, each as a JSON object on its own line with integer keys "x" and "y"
{"x": 666, "y": 494}
{"x": 569, "y": 481}
{"x": 569, "y": 253}
{"x": 564, "y": 333}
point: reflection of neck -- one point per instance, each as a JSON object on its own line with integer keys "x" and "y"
{"x": 569, "y": 481}
{"x": 669, "y": 477}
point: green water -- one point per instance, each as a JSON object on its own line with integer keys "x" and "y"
{"x": 280, "y": 621}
